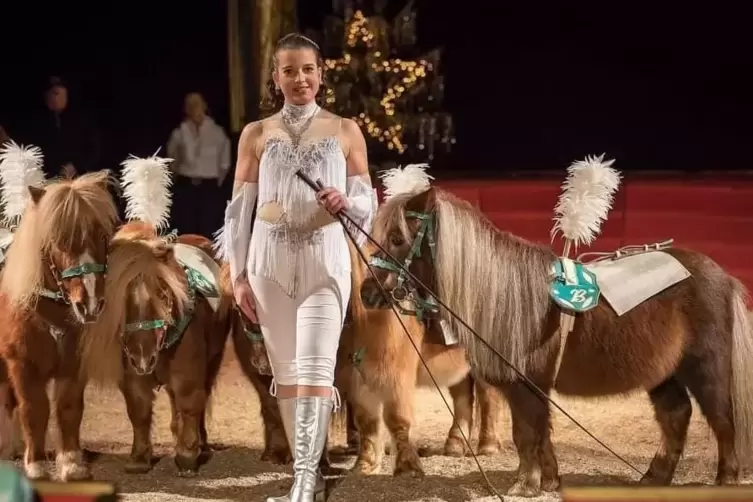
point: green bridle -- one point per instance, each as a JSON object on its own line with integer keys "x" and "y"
{"x": 197, "y": 284}
{"x": 69, "y": 273}
{"x": 401, "y": 292}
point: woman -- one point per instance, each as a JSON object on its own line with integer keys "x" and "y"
{"x": 292, "y": 276}
{"x": 201, "y": 150}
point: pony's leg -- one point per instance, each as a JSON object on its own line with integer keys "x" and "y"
{"x": 490, "y": 406}
{"x": 190, "y": 405}
{"x": 715, "y": 401}
{"x": 367, "y": 420}
{"x": 673, "y": 409}
{"x": 530, "y": 433}
{"x": 33, "y": 413}
{"x": 276, "y": 448}
{"x": 69, "y": 403}
{"x": 352, "y": 437}
{"x": 398, "y": 417}
{"x": 8, "y": 416}
{"x": 462, "y": 401}
{"x": 139, "y": 399}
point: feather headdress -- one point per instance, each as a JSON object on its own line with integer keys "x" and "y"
{"x": 20, "y": 168}
{"x": 409, "y": 179}
{"x": 146, "y": 189}
{"x": 587, "y": 197}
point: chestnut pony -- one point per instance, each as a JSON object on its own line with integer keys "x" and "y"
{"x": 52, "y": 283}
{"x": 378, "y": 371}
{"x": 694, "y": 337}
{"x": 158, "y": 329}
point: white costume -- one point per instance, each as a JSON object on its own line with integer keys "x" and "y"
{"x": 298, "y": 264}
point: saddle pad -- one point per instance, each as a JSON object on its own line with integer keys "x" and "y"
{"x": 629, "y": 281}
{"x": 195, "y": 258}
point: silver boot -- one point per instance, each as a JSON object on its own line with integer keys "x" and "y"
{"x": 312, "y": 416}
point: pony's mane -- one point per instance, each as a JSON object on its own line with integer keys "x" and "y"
{"x": 70, "y": 215}
{"x": 510, "y": 310}
{"x": 135, "y": 276}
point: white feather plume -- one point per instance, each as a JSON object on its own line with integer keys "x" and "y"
{"x": 219, "y": 245}
{"x": 587, "y": 197}
{"x": 146, "y": 189}
{"x": 20, "y": 168}
{"x": 409, "y": 179}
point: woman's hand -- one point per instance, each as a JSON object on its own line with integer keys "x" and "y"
{"x": 244, "y": 299}
{"x": 333, "y": 200}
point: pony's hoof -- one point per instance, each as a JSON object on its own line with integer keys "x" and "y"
{"x": 187, "y": 473}
{"x": 277, "y": 456}
{"x": 520, "y": 489}
{"x": 74, "y": 472}
{"x": 550, "y": 484}
{"x": 727, "y": 479}
{"x": 488, "y": 448}
{"x": 408, "y": 467}
{"x": 365, "y": 468}
{"x": 454, "y": 447}
{"x": 652, "y": 479}
{"x": 187, "y": 464}
{"x": 36, "y": 471}
{"x": 138, "y": 467}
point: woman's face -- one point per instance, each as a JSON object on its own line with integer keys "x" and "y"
{"x": 298, "y": 75}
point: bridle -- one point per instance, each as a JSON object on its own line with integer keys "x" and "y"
{"x": 62, "y": 295}
{"x": 405, "y": 290}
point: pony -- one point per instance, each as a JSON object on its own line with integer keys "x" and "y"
{"x": 52, "y": 284}
{"x": 378, "y": 370}
{"x": 158, "y": 329}
{"x": 693, "y": 337}
{"x": 252, "y": 358}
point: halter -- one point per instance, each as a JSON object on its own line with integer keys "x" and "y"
{"x": 61, "y": 295}
{"x": 401, "y": 292}
{"x": 197, "y": 284}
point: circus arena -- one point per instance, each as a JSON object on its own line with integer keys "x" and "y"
{"x": 236, "y": 473}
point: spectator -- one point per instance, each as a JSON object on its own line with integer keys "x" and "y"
{"x": 69, "y": 140}
{"x": 201, "y": 152}
{"x": 3, "y": 136}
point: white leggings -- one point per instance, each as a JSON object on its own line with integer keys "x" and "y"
{"x": 302, "y": 334}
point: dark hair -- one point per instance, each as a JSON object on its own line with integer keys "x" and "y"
{"x": 273, "y": 99}
{"x": 54, "y": 82}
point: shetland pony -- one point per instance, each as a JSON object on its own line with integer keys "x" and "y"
{"x": 157, "y": 329}
{"x": 692, "y": 337}
{"x": 52, "y": 283}
{"x": 378, "y": 370}
{"x": 253, "y": 361}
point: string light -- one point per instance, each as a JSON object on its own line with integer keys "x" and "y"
{"x": 406, "y": 74}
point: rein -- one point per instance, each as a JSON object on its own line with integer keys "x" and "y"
{"x": 394, "y": 264}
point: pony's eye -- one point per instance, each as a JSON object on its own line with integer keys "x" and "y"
{"x": 396, "y": 239}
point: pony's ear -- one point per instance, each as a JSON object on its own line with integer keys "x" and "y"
{"x": 163, "y": 252}
{"x": 36, "y": 193}
{"x": 425, "y": 202}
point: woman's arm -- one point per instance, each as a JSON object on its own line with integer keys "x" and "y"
{"x": 235, "y": 236}
{"x": 361, "y": 196}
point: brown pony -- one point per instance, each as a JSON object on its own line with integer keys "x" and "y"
{"x": 52, "y": 283}
{"x": 694, "y": 336}
{"x": 378, "y": 371}
{"x": 253, "y": 360}
{"x": 158, "y": 328}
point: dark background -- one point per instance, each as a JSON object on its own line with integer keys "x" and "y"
{"x": 531, "y": 87}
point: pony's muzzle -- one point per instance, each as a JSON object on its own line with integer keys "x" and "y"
{"x": 143, "y": 365}
{"x": 372, "y": 295}
{"x": 86, "y": 314}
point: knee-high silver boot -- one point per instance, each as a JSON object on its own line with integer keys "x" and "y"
{"x": 311, "y": 424}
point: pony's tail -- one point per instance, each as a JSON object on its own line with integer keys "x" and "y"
{"x": 742, "y": 376}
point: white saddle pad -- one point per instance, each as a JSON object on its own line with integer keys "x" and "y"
{"x": 195, "y": 258}
{"x": 629, "y": 281}
{"x": 6, "y": 237}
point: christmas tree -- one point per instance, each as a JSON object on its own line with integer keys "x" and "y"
{"x": 377, "y": 78}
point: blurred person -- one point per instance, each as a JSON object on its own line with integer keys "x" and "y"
{"x": 68, "y": 138}
{"x": 200, "y": 149}
{"x": 292, "y": 274}
{"x": 4, "y": 137}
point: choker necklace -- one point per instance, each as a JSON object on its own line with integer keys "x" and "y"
{"x": 297, "y": 118}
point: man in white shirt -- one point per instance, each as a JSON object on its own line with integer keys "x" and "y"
{"x": 201, "y": 152}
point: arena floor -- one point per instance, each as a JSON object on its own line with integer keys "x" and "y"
{"x": 236, "y": 474}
